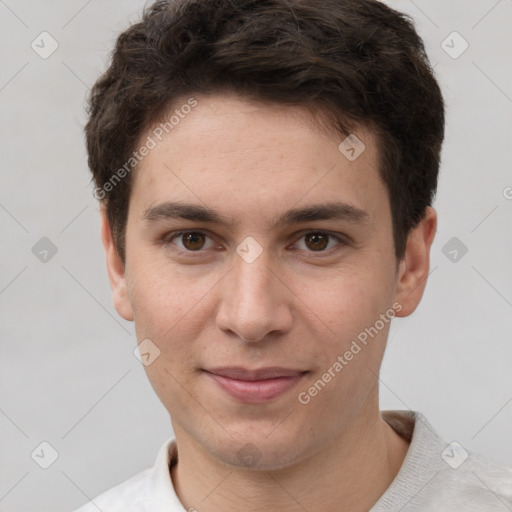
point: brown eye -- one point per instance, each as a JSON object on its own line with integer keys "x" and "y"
{"x": 316, "y": 241}
{"x": 189, "y": 243}
{"x": 320, "y": 242}
{"x": 193, "y": 241}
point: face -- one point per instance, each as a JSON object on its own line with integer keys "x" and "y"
{"x": 271, "y": 311}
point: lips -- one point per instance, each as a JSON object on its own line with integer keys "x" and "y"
{"x": 257, "y": 385}
{"x": 239, "y": 373}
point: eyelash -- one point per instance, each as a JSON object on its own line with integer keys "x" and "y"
{"x": 169, "y": 237}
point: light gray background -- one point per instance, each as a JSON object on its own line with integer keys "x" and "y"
{"x": 68, "y": 374}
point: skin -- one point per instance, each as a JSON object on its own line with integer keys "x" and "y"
{"x": 293, "y": 306}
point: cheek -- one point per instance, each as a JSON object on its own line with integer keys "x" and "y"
{"x": 169, "y": 312}
{"x": 350, "y": 300}
{"x": 169, "y": 304}
{"x": 157, "y": 290}
{"x": 351, "y": 306}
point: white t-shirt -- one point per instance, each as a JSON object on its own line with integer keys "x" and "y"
{"x": 434, "y": 477}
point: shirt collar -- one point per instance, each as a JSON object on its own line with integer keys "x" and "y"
{"x": 162, "y": 495}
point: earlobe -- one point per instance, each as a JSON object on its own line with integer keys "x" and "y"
{"x": 116, "y": 271}
{"x": 414, "y": 268}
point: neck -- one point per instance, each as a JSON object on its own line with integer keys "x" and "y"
{"x": 350, "y": 474}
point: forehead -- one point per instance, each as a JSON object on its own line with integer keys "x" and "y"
{"x": 241, "y": 156}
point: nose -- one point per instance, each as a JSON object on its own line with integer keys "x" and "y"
{"x": 254, "y": 301}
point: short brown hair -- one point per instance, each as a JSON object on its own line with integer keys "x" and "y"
{"x": 357, "y": 61}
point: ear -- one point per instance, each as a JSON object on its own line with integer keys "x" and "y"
{"x": 115, "y": 269}
{"x": 414, "y": 267}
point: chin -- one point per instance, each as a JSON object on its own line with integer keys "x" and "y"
{"x": 263, "y": 449}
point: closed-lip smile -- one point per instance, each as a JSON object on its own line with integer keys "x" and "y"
{"x": 254, "y": 385}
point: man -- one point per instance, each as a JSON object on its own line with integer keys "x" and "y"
{"x": 266, "y": 171}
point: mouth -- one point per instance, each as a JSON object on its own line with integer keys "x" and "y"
{"x": 255, "y": 386}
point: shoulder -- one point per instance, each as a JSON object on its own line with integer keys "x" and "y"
{"x": 437, "y": 476}
{"x": 462, "y": 479}
{"x": 128, "y": 496}
{"x": 483, "y": 481}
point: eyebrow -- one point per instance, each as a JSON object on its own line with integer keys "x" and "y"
{"x": 198, "y": 213}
